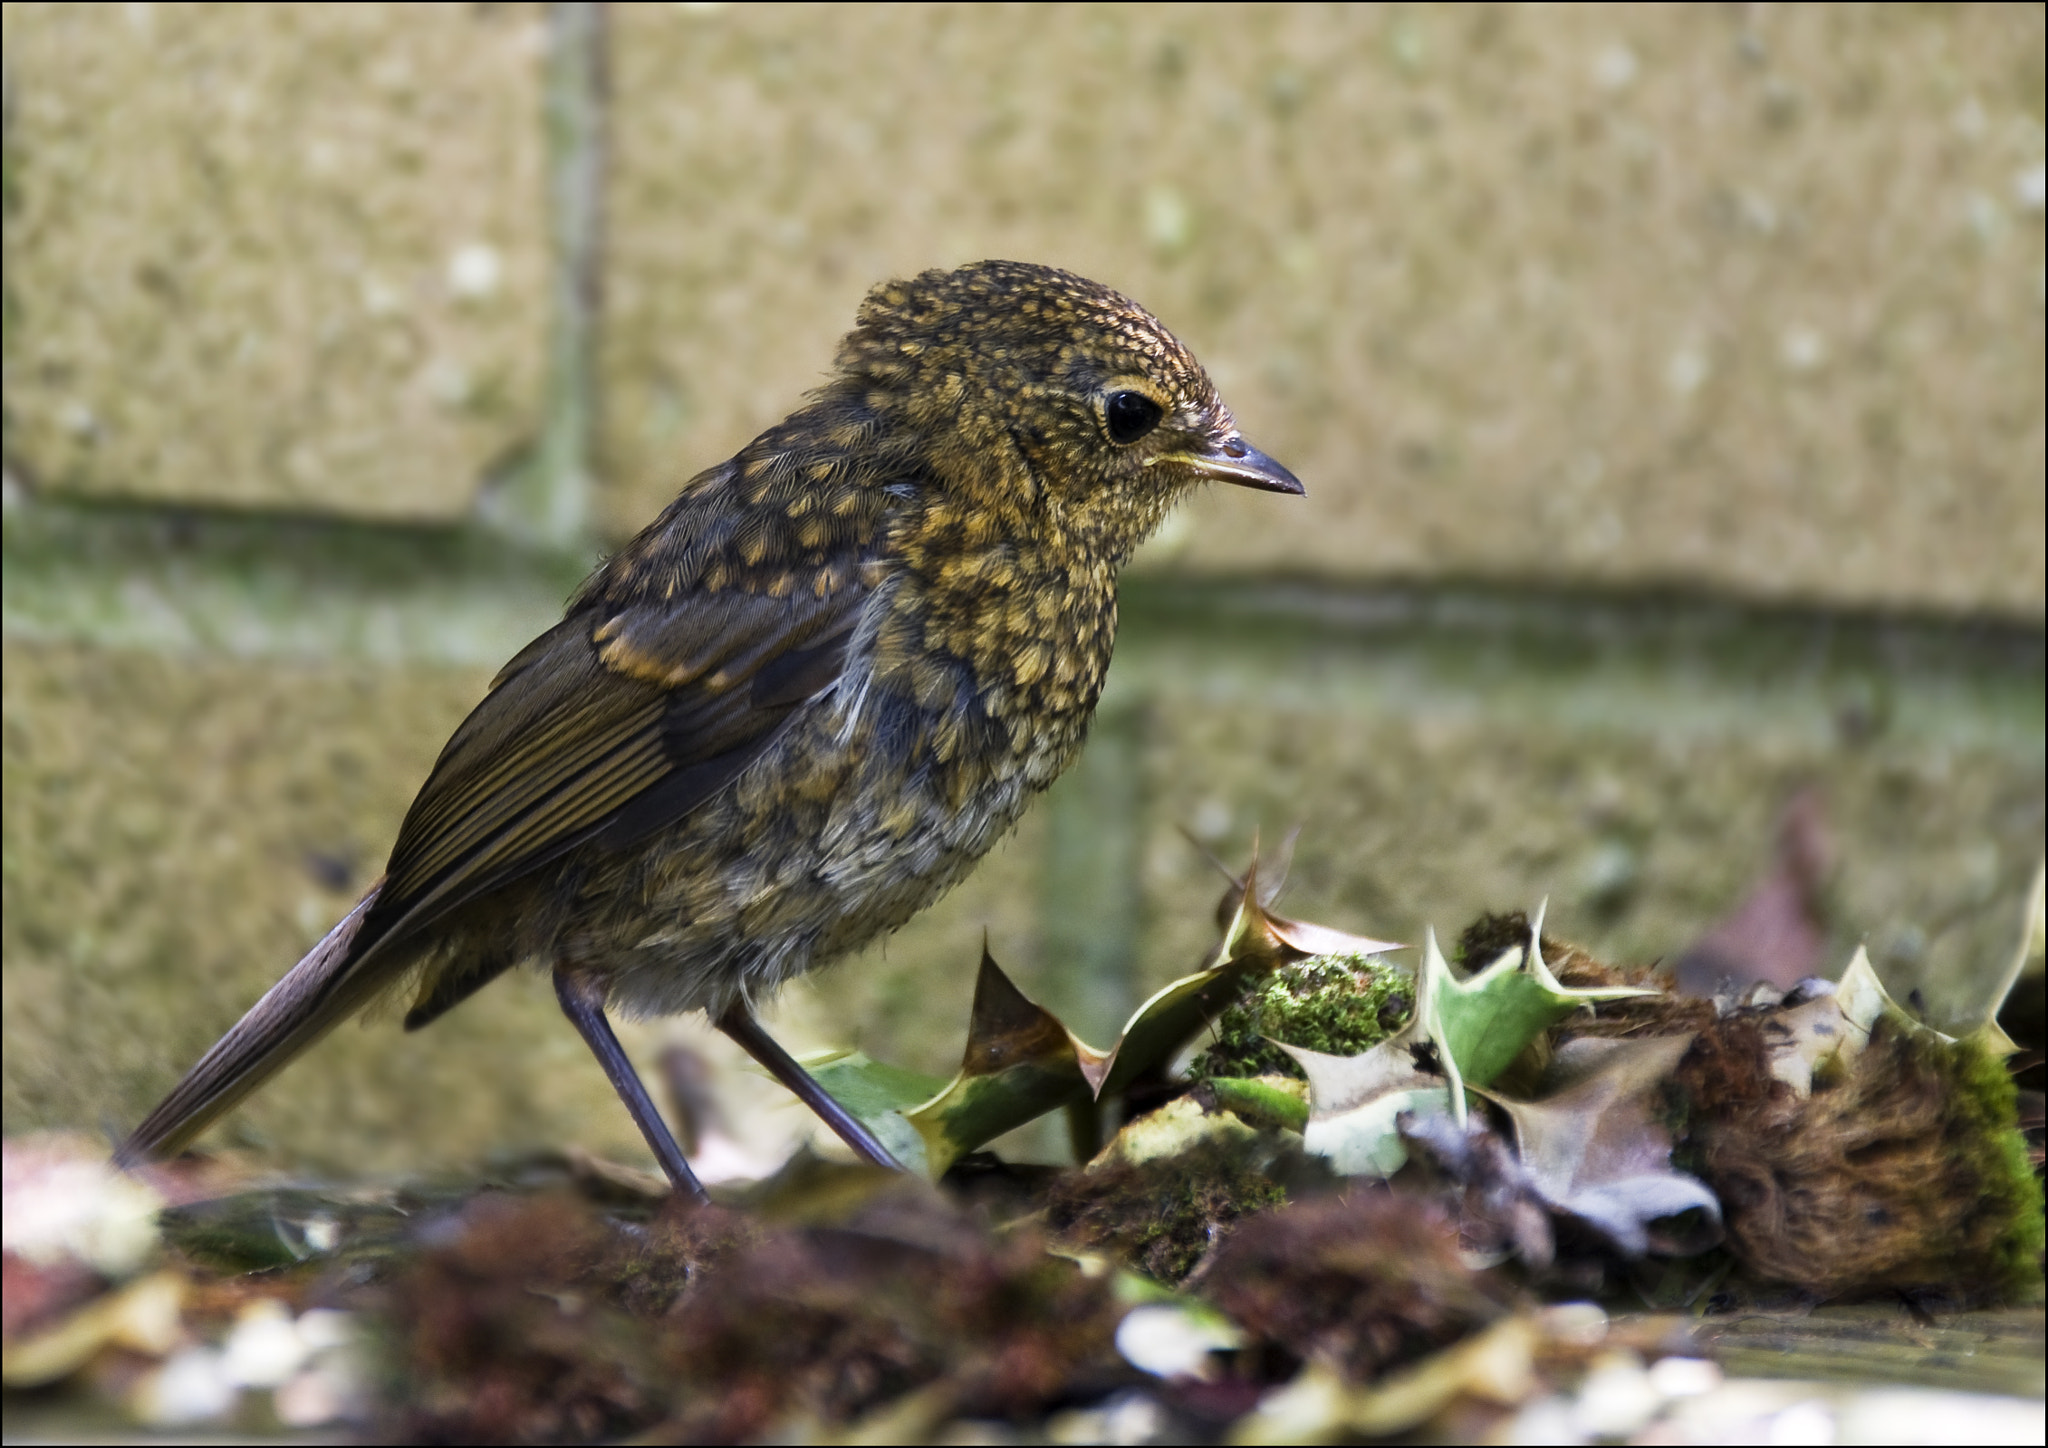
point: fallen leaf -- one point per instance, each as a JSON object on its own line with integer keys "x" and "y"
{"x": 1176, "y": 1339}
{"x": 1020, "y": 1063}
{"x": 1593, "y": 1147}
{"x": 1477, "y": 1027}
{"x": 1355, "y": 1102}
{"x": 879, "y": 1094}
{"x": 1254, "y": 942}
{"x": 1179, "y": 1127}
{"x": 1499, "y": 1209}
{"x": 1322, "y": 940}
{"x": 2032, "y": 943}
{"x": 1303, "y": 936}
{"x": 1496, "y": 1366}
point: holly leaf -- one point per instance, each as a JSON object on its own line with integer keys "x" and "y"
{"x": 1182, "y": 1126}
{"x": 1275, "y": 929}
{"x": 1020, "y": 1062}
{"x": 1482, "y": 1024}
{"x": 1356, "y": 1101}
{"x": 1467, "y": 1031}
{"x": 2032, "y": 943}
{"x": 1835, "y": 1027}
{"x": 1278, "y": 1101}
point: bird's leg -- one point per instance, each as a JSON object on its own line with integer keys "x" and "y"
{"x": 582, "y": 998}
{"x": 739, "y": 1023}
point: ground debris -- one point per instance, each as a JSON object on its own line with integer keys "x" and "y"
{"x": 1378, "y": 1204}
{"x": 1901, "y": 1172}
{"x": 1164, "y": 1216}
{"x": 1363, "y": 1282}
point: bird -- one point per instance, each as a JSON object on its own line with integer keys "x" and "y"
{"x": 794, "y": 709}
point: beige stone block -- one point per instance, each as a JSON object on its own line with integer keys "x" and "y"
{"x": 273, "y": 256}
{"x": 1738, "y": 298}
{"x": 178, "y": 831}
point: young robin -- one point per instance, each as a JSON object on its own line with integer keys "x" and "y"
{"x": 802, "y": 703}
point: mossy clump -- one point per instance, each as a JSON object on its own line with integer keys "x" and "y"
{"x": 1904, "y": 1171}
{"x": 1338, "y": 1004}
{"x": 1984, "y": 1115}
{"x": 1161, "y": 1216}
{"x": 1363, "y": 1282}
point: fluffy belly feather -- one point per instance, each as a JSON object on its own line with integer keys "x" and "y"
{"x": 812, "y": 853}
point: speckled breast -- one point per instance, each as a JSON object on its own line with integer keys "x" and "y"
{"x": 877, "y": 797}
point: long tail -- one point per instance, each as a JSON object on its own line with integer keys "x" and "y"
{"x": 315, "y": 995}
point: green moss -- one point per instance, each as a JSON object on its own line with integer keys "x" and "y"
{"x": 1983, "y": 1120}
{"x": 1172, "y": 1243}
{"x": 1337, "y": 1004}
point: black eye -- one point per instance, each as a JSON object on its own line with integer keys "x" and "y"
{"x": 1130, "y": 415}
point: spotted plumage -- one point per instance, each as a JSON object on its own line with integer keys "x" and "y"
{"x": 807, "y": 697}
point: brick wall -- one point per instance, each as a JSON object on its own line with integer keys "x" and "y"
{"x": 1558, "y": 311}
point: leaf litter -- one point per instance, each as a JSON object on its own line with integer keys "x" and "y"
{"x": 1375, "y": 1202}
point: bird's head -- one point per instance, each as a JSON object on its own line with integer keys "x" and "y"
{"x": 1035, "y": 391}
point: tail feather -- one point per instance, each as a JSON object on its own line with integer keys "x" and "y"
{"x": 317, "y": 994}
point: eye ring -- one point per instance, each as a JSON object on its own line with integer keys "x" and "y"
{"x": 1128, "y": 416}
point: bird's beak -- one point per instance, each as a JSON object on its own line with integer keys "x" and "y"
{"x": 1234, "y": 460}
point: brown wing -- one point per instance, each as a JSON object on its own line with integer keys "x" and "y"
{"x": 678, "y": 662}
{"x": 618, "y": 721}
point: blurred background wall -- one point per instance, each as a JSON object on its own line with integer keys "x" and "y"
{"x": 1668, "y": 382}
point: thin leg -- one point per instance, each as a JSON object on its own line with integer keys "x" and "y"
{"x": 739, "y": 1023}
{"x": 582, "y": 999}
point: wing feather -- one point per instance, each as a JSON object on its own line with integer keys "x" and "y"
{"x": 618, "y": 721}
{"x": 678, "y": 662}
